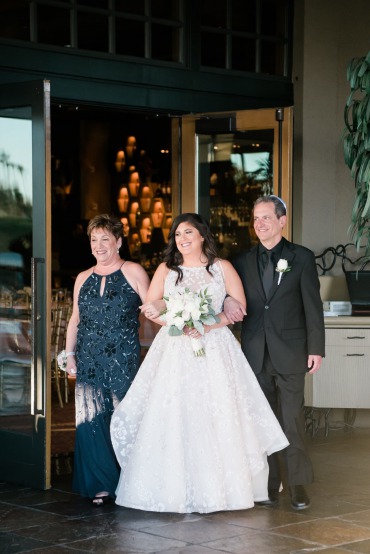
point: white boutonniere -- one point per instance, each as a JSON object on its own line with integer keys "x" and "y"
{"x": 282, "y": 267}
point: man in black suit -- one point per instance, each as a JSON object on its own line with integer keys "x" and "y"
{"x": 282, "y": 336}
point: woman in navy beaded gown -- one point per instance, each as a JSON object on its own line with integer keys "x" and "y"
{"x": 103, "y": 352}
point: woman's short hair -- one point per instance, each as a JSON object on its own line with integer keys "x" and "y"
{"x": 109, "y": 223}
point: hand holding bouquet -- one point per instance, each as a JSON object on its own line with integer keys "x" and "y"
{"x": 185, "y": 308}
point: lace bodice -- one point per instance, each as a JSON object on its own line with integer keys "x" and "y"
{"x": 197, "y": 278}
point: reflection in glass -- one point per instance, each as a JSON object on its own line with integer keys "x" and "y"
{"x": 15, "y": 258}
{"x": 234, "y": 170}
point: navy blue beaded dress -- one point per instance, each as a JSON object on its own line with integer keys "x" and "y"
{"x": 108, "y": 357}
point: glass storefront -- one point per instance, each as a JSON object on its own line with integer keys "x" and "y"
{"x": 15, "y": 269}
{"x": 234, "y": 170}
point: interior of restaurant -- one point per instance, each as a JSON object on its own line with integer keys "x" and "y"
{"x": 104, "y": 161}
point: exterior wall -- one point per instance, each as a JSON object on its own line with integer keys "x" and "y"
{"x": 328, "y": 34}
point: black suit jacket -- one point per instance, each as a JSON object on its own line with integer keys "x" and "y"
{"x": 291, "y": 320}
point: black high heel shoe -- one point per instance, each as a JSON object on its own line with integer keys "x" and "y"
{"x": 100, "y": 501}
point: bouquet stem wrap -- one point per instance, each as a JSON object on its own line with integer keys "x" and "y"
{"x": 197, "y": 346}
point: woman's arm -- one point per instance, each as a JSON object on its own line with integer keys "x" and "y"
{"x": 234, "y": 288}
{"x": 235, "y": 303}
{"x": 154, "y": 302}
{"x": 233, "y": 284}
{"x": 71, "y": 336}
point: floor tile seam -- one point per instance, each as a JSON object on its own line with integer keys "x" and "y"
{"x": 151, "y": 534}
{"x": 322, "y": 544}
{"x": 340, "y": 518}
{"x": 280, "y": 526}
{"x": 357, "y": 525}
{"x": 286, "y": 536}
{"x": 39, "y": 510}
{"x": 348, "y": 544}
{"x": 320, "y": 518}
{"x": 64, "y": 492}
{"x": 44, "y": 544}
{"x": 67, "y": 543}
{"x": 305, "y": 518}
{"x": 357, "y": 512}
{"x": 230, "y": 537}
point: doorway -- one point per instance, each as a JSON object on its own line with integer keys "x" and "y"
{"x": 103, "y": 161}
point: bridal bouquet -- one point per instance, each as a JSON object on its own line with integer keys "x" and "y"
{"x": 191, "y": 309}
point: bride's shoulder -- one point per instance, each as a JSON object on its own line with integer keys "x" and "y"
{"x": 162, "y": 269}
{"x": 221, "y": 263}
{"x": 225, "y": 266}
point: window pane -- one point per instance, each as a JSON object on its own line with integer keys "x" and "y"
{"x": 53, "y": 25}
{"x": 92, "y": 31}
{"x": 212, "y": 16}
{"x": 243, "y": 54}
{"x": 131, "y": 6}
{"x": 130, "y": 37}
{"x": 243, "y": 15}
{"x": 14, "y": 20}
{"x": 273, "y": 17}
{"x": 272, "y": 58}
{"x": 165, "y": 9}
{"x": 213, "y": 50}
{"x": 165, "y": 43}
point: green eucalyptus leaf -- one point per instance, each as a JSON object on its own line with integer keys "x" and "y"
{"x": 174, "y": 331}
{"x": 199, "y": 327}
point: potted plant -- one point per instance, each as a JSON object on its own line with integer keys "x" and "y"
{"x": 356, "y": 142}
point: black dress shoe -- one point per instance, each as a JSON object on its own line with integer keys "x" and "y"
{"x": 272, "y": 500}
{"x": 299, "y": 498}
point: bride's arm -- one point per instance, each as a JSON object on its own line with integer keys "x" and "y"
{"x": 154, "y": 302}
{"x": 234, "y": 288}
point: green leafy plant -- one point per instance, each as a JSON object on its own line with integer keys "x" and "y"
{"x": 356, "y": 142}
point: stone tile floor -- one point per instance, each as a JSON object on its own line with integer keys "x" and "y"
{"x": 58, "y": 522}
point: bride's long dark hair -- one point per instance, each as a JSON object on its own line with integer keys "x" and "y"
{"x": 173, "y": 258}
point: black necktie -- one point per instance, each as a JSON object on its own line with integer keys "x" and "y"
{"x": 268, "y": 274}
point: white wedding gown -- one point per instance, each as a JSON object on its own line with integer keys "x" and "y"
{"x": 193, "y": 433}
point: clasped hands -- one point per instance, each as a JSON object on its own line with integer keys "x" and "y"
{"x": 152, "y": 310}
{"x": 233, "y": 310}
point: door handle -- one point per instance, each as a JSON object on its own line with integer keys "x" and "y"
{"x": 36, "y": 371}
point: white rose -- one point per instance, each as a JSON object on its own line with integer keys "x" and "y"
{"x": 178, "y": 322}
{"x": 174, "y": 305}
{"x": 282, "y": 265}
{"x": 195, "y": 314}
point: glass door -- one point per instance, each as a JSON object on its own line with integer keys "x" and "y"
{"x": 24, "y": 282}
{"x": 227, "y": 162}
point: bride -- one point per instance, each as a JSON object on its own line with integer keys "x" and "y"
{"x": 193, "y": 433}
